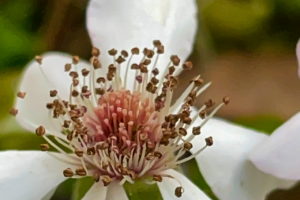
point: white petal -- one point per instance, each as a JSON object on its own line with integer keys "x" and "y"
{"x": 279, "y": 155}
{"x": 167, "y": 187}
{"x": 136, "y": 23}
{"x": 96, "y": 192}
{"x": 298, "y": 56}
{"x": 226, "y": 167}
{"x": 116, "y": 192}
{"x": 49, "y": 195}
{"x": 32, "y": 109}
{"x": 29, "y": 174}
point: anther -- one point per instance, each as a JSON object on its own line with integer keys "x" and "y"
{"x": 209, "y": 141}
{"x": 157, "y": 154}
{"x": 44, "y": 147}
{"x": 38, "y": 59}
{"x": 75, "y": 60}
{"x": 155, "y": 71}
{"x": 79, "y": 153}
{"x": 187, "y": 65}
{"x": 157, "y": 178}
{"x": 120, "y": 60}
{"x": 175, "y": 60}
{"x": 95, "y": 52}
{"x": 85, "y": 72}
{"x": 160, "y": 49}
{"x": 226, "y": 100}
{"x": 96, "y": 63}
{"x": 187, "y": 146}
{"x": 178, "y": 191}
{"x": 53, "y": 93}
{"x": 68, "y": 67}
{"x": 124, "y": 53}
{"x": 112, "y": 52}
{"x": 75, "y": 93}
{"x": 40, "y": 131}
{"x": 21, "y": 95}
{"x": 68, "y": 172}
{"x": 80, "y": 172}
{"x": 100, "y": 80}
{"x": 156, "y": 43}
{"x": 13, "y": 111}
{"x": 135, "y": 51}
{"x": 182, "y": 131}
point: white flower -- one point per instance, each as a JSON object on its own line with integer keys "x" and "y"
{"x": 115, "y": 134}
{"x": 279, "y": 154}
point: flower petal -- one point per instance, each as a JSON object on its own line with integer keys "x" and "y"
{"x": 139, "y": 22}
{"x": 32, "y": 109}
{"x": 116, "y": 192}
{"x": 226, "y": 167}
{"x": 298, "y": 56}
{"x": 136, "y": 23}
{"x": 279, "y": 155}
{"x": 168, "y": 185}
{"x": 96, "y": 192}
{"x": 29, "y": 174}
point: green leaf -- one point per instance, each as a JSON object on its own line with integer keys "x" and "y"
{"x": 81, "y": 186}
{"x": 140, "y": 190}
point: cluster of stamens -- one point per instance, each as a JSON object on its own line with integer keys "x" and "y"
{"x": 117, "y": 134}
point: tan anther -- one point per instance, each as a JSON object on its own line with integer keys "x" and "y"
{"x": 21, "y": 95}
{"x": 112, "y": 52}
{"x": 85, "y": 72}
{"x": 178, "y": 191}
{"x": 155, "y": 71}
{"x": 68, "y": 172}
{"x": 226, "y": 100}
{"x": 175, "y": 60}
{"x": 53, "y": 93}
{"x": 100, "y": 80}
{"x": 157, "y": 178}
{"x": 134, "y": 66}
{"x": 75, "y": 93}
{"x": 209, "y": 103}
{"x": 154, "y": 81}
{"x": 147, "y": 62}
{"x": 209, "y": 141}
{"x": 38, "y": 59}
{"x": 80, "y": 172}
{"x": 44, "y": 147}
{"x": 143, "y": 68}
{"x": 202, "y": 114}
{"x": 79, "y": 153}
{"x": 157, "y": 154}
{"x": 160, "y": 49}
{"x": 75, "y": 60}
{"x": 84, "y": 89}
{"x": 68, "y": 67}
{"x": 49, "y": 105}
{"x": 171, "y": 70}
{"x": 124, "y": 53}
{"x": 73, "y": 74}
{"x": 156, "y": 43}
{"x": 40, "y": 131}
{"x": 150, "y": 156}
{"x": 188, "y": 65}
{"x": 70, "y": 136}
{"x": 148, "y": 53}
{"x": 91, "y": 151}
{"x": 198, "y": 82}
{"x": 182, "y": 131}
{"x": 120, "y": 60}
{"x": 187, "y": 146}
{"x": 13, "y": 111}
{"x": 66, "y": 123}
{"x": 75, "y": 82}
{"x": 99, "y": 91}
{"x": 196, "y": 130}
{"x": 106, "y": 180}
{"x": 187, "y": 120}
{"x": 135, "y": 51}
{"x": 96, "y": 63}
{"x": 95, "y": 52}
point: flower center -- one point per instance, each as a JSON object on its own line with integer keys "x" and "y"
{"x": 115, "y": 133}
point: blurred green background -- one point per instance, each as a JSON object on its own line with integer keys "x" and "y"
{"x": 246, "y": 47}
